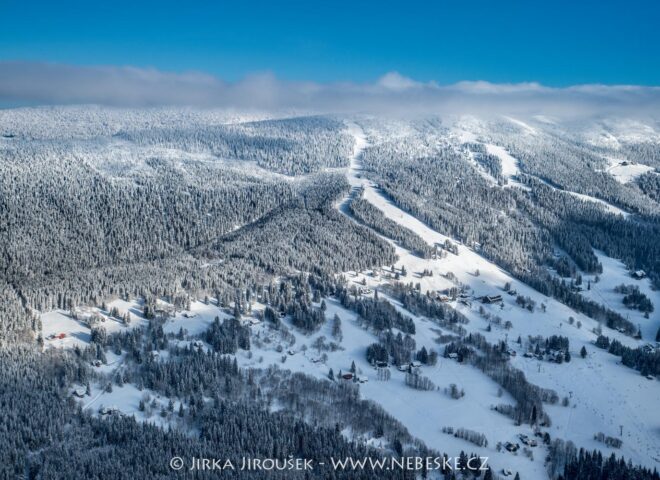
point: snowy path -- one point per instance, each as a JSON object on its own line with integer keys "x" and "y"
{"x": 353, "y": 172}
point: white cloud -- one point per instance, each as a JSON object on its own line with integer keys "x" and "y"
{"x": 396, "y": 81}
{"x": 498, "y": 88}
{"x": 44, "y": 83}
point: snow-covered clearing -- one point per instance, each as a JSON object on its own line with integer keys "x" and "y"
{"x": 60, "y": 329}
{"x": 509, "y": 164}
{"x": 614, "y": 274}
{"x": 624, "y": 171}
{"x": 125, "y": 400}
{"x": 77, "y": 331}
{"x": 66, "y": 329}
{"x": 510, "y": 169}
{"x": 194, "y": 321}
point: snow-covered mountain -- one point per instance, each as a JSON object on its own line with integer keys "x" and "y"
{"x": 459, "y": 285}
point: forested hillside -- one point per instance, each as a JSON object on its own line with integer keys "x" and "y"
{"x": 191, "y": 283}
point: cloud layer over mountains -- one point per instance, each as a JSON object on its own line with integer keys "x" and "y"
{"x": 31, "y": 83}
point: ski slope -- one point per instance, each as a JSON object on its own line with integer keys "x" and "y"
{"x": 602, "y": 393}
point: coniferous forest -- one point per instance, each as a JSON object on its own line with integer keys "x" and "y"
{"x": 188, "y": 283}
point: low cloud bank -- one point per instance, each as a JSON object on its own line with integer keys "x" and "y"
{"x": 31, "y": 83}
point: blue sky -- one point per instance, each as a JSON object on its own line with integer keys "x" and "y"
{"x": 555, "y": 43}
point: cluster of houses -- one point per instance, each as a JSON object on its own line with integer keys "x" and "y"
{"x": 463, "y": 298}
{"x": 411, "y": 367}
{"x": 556, "y": 356}
{"x": 450, "y": 295}
{"x": 525, "y": 439}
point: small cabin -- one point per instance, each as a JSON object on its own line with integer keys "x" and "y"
{"x": 108, "y": 410}
{"x": 381, "y": 364}
{"x": 511, "y": 447}
{"x": 491, "y": 298}
{"x": 164, "y": 309}
{"x": 639, "y": 274}
{"x": 79, "y": 392}
{"x": 347, "y": 376}
{"x": 530, "y": 442}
